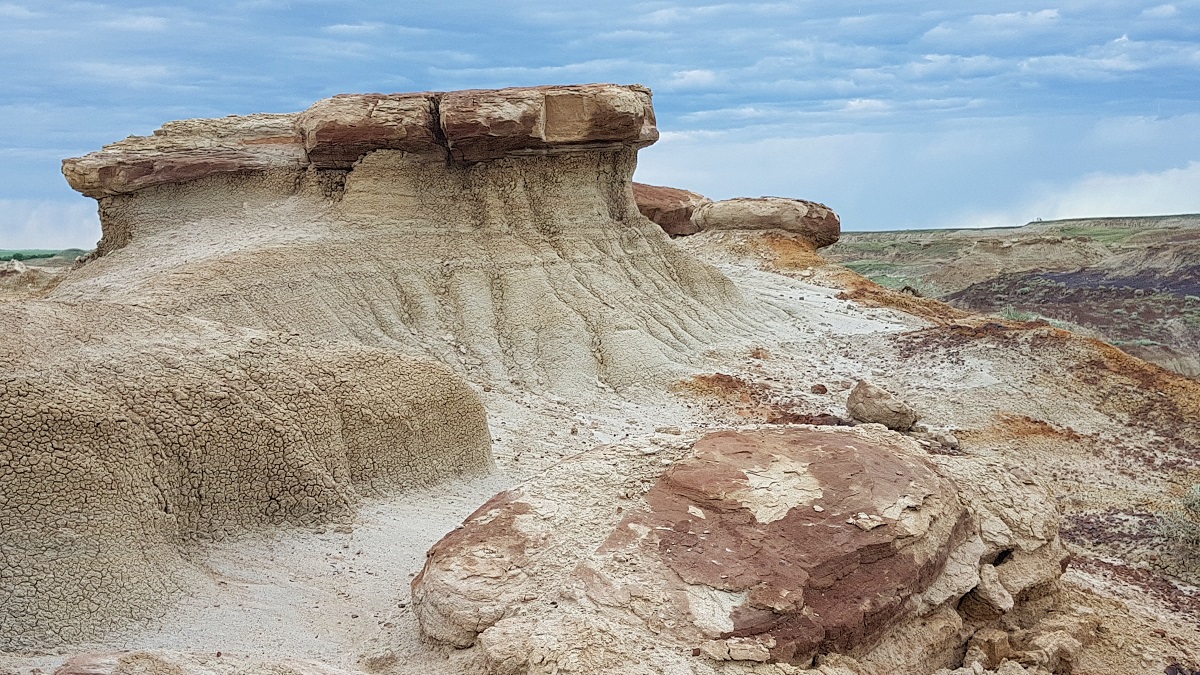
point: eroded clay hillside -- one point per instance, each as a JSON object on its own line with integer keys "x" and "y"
{"x": 1134, "y": 282}
{"x": 409, "y": 384}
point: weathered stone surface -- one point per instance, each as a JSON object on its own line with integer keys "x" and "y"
{"x": 466, "y": 126}
{"x": 671, "y": 208}
{"x": 187, "y": 150}
{"x": 488, "y": 124}
{"x": 815, "y": 222}
{"x": 748, "y": 549}
{"x": 739, "y": 518}
{"x": 868, "y": 403}
{"x": 338, "y": 131}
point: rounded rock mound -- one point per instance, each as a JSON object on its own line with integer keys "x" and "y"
{"x": 815, "y": 222}
{"x": 753, "y": 547}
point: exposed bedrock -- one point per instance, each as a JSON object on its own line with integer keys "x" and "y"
{"x": 126, "y": 434}
{"x": 507, "y": 244}
{"x": 755, "y": 547}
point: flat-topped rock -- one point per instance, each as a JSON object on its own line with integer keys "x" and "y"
{"x": 186, "y": 150}
{"x": 464, "y": 126}
{"x": 338, "y": 131}
{"x": 489, "y": 124}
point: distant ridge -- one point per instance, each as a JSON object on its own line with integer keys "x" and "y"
{"x": 1176, "y": 220}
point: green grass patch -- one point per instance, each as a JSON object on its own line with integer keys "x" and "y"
{"x": 874, "y": 268}
{"x": 26, "y": 254}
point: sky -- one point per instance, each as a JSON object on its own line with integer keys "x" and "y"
{"x": 898, "y": 115}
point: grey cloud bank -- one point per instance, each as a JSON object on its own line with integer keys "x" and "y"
{"x": 939, "y": 115}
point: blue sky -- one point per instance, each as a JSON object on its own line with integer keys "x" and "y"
{"x": 897, "y": 115}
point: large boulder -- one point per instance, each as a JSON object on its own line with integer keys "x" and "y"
{"x": 752, "y": 547}
{"x": 814, "y": 222}
{"x": 869, "y": 403}
{"x": 671, "y": 208}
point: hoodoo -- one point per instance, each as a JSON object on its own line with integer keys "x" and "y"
{"x": 495, "y": 231}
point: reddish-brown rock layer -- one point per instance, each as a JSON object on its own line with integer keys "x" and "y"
{"x": 338, "y": 131}
{"x": 671, "y": 208}
{"x": 464, "y": 126}
{"x": 742, "y": 516}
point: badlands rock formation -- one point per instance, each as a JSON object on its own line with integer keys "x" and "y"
{"x": 298, "y": 320}
{"x": 126, "y": 435}
{"x": 493, "y": 231}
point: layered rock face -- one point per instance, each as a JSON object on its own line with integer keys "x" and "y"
{"x": 494, "y": 231}
{"x": 246, "y": 347}
{"x": 754, "y": 547}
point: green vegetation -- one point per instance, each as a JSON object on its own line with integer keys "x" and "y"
{"x": 1140, "y": 342}
{"x": 26, "y": 254}
{"x": 1010, "y": 313}
{"x": 873, "y": 268}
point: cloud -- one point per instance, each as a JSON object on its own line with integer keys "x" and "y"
{"x": 1126, "y": 194}
{"x": 354, "y": 28}
{"x": 137, "y": 23}
{"x": 981, "y": 29}
{"x": 48, "y": 224}
{"x": 692, "y": 79}
{"x": 866, "y": 106}
{"x": 12, "y": 11}
{"x": 123, "y": 73}
{"x": 1160, "y": 12}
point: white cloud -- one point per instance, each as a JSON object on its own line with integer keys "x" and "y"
{"x": 866, "y": 106}
{"x": 137, "y": 23}
{"x": 1113, "y": 194}
{"x": 354, "y": 28}
{"x": 1013, "y": 20}
{"x": 12, "y": 11}
{"x": 992, "y": 27}
{"x": 28, "y": 223}
{"x": 1097, "y": 195}
{"x": 1117, "y": 57}
{"x": 123, "y": 73}
{"x": 692, "y": 79}
{"x": 1160, "y": 12}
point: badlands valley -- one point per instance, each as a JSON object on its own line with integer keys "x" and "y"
{"x": 424, "y": 383}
